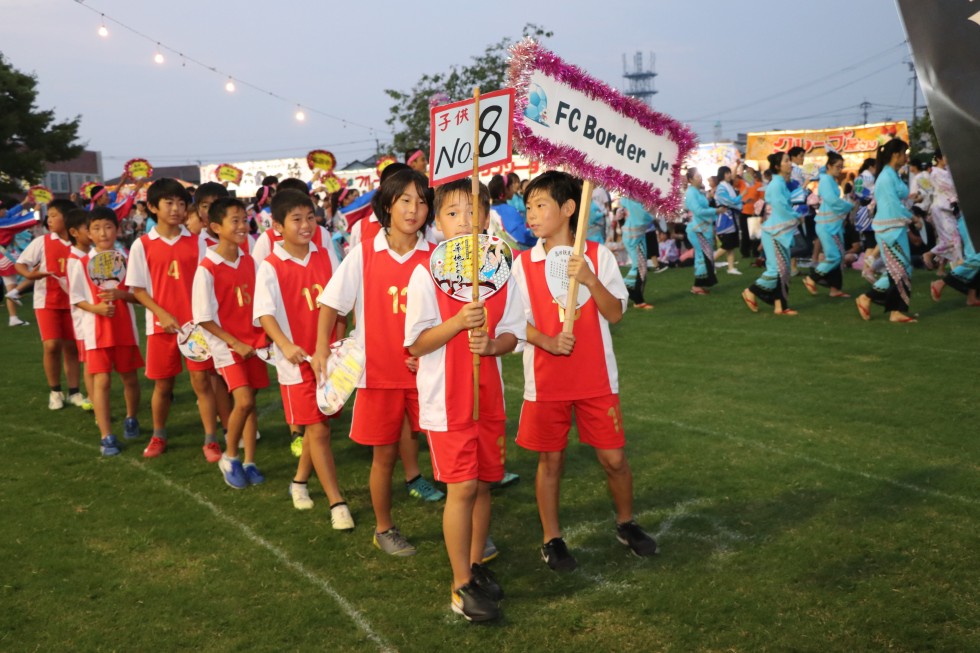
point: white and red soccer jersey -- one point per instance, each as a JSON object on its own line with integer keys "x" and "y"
{"x": 364, "y": 231}
{"x": 445, "y": 376}
{"x": 287, "y": 289}
{"x": 48, "y": 253}
{"x": 223, "y": 293}
{"x": 207, "y": 241}
{"x": 267, "y": 239}
{"x": 75, "y": 257}
{"x": 373, "y": 280}
{"x": 97, "y": 331}
{"x": 165, "y": 269}
{"x": 591, "y": 369}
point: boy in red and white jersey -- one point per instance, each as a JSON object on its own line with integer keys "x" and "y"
{"x": 468, "y": 455}
{"x": 109, "y": 332}
{"x": 204, "y": 197}
{"x": 224, "y": 285}
{"x": 372, "y": 281}
{"x": 563, "y": 371}
{"x": 286, "y": 287}
{"x": 161, "y": 271}
{"x": 266, "y": 240}
{"x": 76, "y": 223}
{"x": 45, "y": 261}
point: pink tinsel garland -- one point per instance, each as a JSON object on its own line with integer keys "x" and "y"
{"x": 528, "y": 56}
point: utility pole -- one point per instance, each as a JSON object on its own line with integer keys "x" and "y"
{"x": 865, "y": 106}
{"x": 915, "y": 91}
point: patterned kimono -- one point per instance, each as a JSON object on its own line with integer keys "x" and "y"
{"x": 893, "y": 287}
{"x": 948, "y": 243}
{"x": 635, "y": 243}
{"x": 830, "y": 229}
{"x": 777, "y": 239}
{"x": 701, "y": 233}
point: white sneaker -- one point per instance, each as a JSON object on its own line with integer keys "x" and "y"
{"x": 14, "y": 296}
{"x": 16, "y": 321}
{"x": 258, "y": 435}
{"x": 77, "y": 399}
{"x": 722, "y": 264}
{"x": 733, "y": 271}
{"x": 56, "y": 401}
{"x": 340, "y": 518}
{"x": 301, "y": 496}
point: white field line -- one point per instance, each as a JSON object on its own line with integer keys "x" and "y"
{"x": 256, "y": 539}
{"x": 917, "y": 489}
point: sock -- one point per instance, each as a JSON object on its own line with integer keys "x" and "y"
{"x": 160, "y": 433}
{"x": 249, "y": 465}
{"x": 227, "y": 457}
{"x": 339, "y": 503}
{"x": 56, "y": 388}
{"x": 72, "y": 391}
{"x": 209, "y": 438}
{"x": 295, "y": 482}
{"x": 294, "y": 435}
{"x": 417, "y": 477}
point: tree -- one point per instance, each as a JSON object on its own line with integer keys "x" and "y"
{"x": 410, "y": 112}
{"x": 922, "y": 135}
{"x": 28, "y": 136}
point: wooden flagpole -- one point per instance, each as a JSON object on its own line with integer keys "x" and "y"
{"x": 475, "y": 258}
{"x": 571, "y": 300}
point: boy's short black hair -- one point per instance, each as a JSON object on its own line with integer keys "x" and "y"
{"x": 560, "y": 186}
{"x": 102, "y": 213}
{"x": 270, "y": 180}
{"x": 219, "y": 208}
{"x": 391, "y": 169}
{"x": 287, "y": 200}
{"x": 292, "y": 183}
{"x": 393, "y": 187}
{"x": 63, "y": 206}
{"x": 465, "y": 186}
{"x": 73, "y": 220}
{"x": 166, "y": 189}
{"x": 795, "y": 151}
{"x": 209, "y": 189}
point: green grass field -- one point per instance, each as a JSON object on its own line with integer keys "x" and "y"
{"x": 812, "y": 482}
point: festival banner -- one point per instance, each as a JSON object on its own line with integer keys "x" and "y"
{"x": 321, "y": 160}
{"x": 853, "y": 143}
{"x": 567, "y": 118}
{"x": 229, "y": 173}
{"x": 452, "y": 129}
{"x": 138, "y": 169}
{"x": 945, "y": 41}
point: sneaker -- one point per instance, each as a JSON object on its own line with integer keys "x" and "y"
{"x": 394, "y": 543}
{"x": 16, "y": 321}
{"x": 735, "y": 271}
{"x": 253, "y": 475}
{"x": 296, "y": 446}
{"x": 486, "y": 582}
{"x": 109, "y": 446}
{"x": 470, "y": 602}
{"x": 340, "y": 518}
{"x": 663, "y": 267}
{"x": 56, "y": 400}
{"x": 556, "y": 554}
{"x": 212, "y": 452}
{"x": 636, "y": 539}
{"x": 508, "y": 480}
{"x": 231, "y": 469}
{"x": 258, "y": 435}
{"x": 300, "y": 495}
{"x": 489, "y": 551}
{"x": 87, "y": 406}
{"x": 14, "y": 296}
{"x": 420, "y": 488}
{"x": 78, "y": 399}
{"x": 723, "y": 264}
{"x": 156, "y": 447}
{"x": 131, "y": 428}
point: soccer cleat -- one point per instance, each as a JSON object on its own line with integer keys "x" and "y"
{"x": 630, "y": 534}
{"x": 556, "y": 554}
{"x": 489, "y": 551}
{"x": 420, "y": 488}
{"x": 131, "y": 428}
{"x": 234, "y": 475}
{"x": 340, "y": 517}
{"x": 470, "y": 602}
{"x": 56, "y": 400}
{"x": 78, "y": 399}
{"x": 156, "y": 447}
{"x": 253, "y": 475}
{"x": 212, "y": 452}
{"x": 300, "y": 495}
{"x": 394, "y": 543}
{"x": 109, "y": 446}
{"x": 485, "y": 580}
{"x": 296, "y": 446}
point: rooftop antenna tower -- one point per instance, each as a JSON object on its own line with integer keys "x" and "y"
{"x": 639, "y": 81}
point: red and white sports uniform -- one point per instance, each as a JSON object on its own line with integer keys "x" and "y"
{"x": 286, "y": 288}
{"x": 263, "y": 245}
{"x": 165, "y": 269}
{"x": 110, "y": 342}
{"x": 373, "y": 281}
{"x": 587, "y": 379}
{"x": 207, "y": 241}
{"x": 364, "y": 231}
{"x": 49, "y": 253}
{"x": 461, "y": 448}
{"x": 75, "y": 256}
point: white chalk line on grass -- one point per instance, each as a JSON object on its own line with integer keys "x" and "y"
{"x": 256, "y": 539}
{"x": 918, "y": 489}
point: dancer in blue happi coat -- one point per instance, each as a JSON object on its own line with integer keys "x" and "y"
{"x": 830, "y": 230}
{"x": 892, "y": 218}
{"x": 701, "y": 232}
{"x": 635, "y": 241}
{"x": 726, "y": 225}
{"x": 964, "y": 278}
{"x": 778, "y": 229}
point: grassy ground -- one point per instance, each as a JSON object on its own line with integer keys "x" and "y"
{"x": 812, "y": 482}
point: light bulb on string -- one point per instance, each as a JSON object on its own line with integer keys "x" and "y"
{"x": 158, "y": 57}
{"x": 300, "y": 116}
{"x": 103, "y": 31}
{"x": 230, "y": 86}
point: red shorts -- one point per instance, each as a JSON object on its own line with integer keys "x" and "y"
{"x": 123, "y": 359}
{"x": 55, "y": 323}
{"x": 476, "y": 452}
{"x": 163, "y": 357}
{"x": 299, "y": 401}
{"x": 545, "y": 424}
{"x": 253, "y": 372}
{"x": 80, "y": 346}
{"x": 380, "y": 412}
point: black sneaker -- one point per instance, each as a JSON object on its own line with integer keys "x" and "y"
{"x": 470, "y": 601}
{"x": 630, "y": 534}
{"x": 556, "y": 554}
{"x": 484, "y": 579}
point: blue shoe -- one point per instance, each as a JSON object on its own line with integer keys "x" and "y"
{"x": 233, "y": 472}
{"x": 109, "y": 446}
{"x": 131, "y": 428}
{"x": 253, "y": 475}
{"x": 422, "y": 489}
